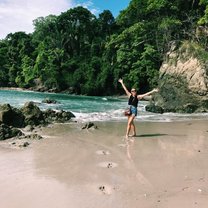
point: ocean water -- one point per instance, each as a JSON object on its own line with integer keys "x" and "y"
{"x": 90, "y": 108}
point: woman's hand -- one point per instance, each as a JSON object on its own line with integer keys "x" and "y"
{"x": 120, "y": 80}
{"x": 155, "y": 90}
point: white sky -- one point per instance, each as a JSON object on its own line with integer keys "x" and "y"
{"x": 17, "y": 15}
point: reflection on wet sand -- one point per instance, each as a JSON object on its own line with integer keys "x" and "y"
{"x": 129, "y": 143}
{"x": 79, "y": 168}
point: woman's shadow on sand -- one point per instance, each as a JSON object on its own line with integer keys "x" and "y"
{"x": 151, "y": 135}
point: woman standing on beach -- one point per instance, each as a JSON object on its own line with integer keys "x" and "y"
{"x": 133, "y": 102}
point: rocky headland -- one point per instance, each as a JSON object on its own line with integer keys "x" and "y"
{"x": 183, "y": 81}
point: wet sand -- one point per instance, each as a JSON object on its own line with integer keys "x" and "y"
{"x": 165, "y": 166}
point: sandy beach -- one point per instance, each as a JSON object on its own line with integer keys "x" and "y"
{"x": 165, "y": 166}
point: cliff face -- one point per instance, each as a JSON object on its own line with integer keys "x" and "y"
{"x": 183, "y": 82}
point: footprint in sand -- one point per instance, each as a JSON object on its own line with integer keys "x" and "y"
{"x": 102, "y": 152}
{"x": 107, "y": 165}
{"x": 106, "y": 189}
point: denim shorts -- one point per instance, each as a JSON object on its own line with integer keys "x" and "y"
{"x": 133, "y": 110}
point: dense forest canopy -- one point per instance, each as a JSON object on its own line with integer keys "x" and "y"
{"x": 84, "y": 54}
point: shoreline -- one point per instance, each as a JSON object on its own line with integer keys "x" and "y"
{"x": 13, "y": 88}
{"x": 61, "y": 92}
{"x": 164, "y": 166}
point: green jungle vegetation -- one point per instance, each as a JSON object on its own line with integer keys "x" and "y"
{"x": 85, "y": 54}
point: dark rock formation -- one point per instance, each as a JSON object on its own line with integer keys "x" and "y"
{"x": 33, "y": 115}
{"x": 49, "y": 101}
{"x": 7, "y": 132}
{"x": 28, "y": 116}
{"x": 153, "y": 108}
{"x": 53, "y": 116}
{"x": 11, "y": 116}
{"x": 174, "y": 96}
{"x": 89, "y": 125}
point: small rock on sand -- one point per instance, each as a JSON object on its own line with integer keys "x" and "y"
{"x": 89, "y": 125}
{"x": 25, "y": 144}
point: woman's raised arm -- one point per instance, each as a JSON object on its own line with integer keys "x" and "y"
{"x": 148, "y": 93}
{"x": 124, "y": 87}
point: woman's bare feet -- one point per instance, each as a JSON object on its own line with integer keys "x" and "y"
{"x": 133, "y": 135}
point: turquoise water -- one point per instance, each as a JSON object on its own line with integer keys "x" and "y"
{"x": 89, "y": 108}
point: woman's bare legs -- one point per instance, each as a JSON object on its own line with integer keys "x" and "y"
{"x": 129, "y": 125}
{"x": 133, "y": 128}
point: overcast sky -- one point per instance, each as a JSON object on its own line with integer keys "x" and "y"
{"x": 17, "y": 15}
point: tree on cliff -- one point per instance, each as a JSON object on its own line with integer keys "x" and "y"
{"x": 87, "y": 54}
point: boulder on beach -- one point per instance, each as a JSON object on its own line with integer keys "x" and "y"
{"x": 32, "y": 113}
{"x": 34, "y": 116}
{"x": 183, "y": 82}
{"x": 7, "y": 132}
{"x": 89, "y": 125}
{"x": 11, "y": 116}
{"x": 60, "y": 116}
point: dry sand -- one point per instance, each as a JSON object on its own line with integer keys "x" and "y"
{"x": 165, "y": 166}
